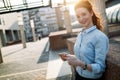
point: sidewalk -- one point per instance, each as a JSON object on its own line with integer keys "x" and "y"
{"x": 24, "y": 64}
{"x": 36, "y": 62}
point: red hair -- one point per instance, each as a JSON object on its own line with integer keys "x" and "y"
{"x": 88, "y": 6}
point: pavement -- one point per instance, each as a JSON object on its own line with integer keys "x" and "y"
{"x": 25, "y": 63}
{"x": 35, "y": 62}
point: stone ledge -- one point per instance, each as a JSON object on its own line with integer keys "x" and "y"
{"x": 57, "y": 69}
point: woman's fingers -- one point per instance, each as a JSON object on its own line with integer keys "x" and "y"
{"x": 72, "y": 60}
{"x": 63, "y": 56}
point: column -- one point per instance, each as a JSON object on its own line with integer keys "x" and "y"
{"x": 13, "y": 36}
{"x": 1, "y": 59}
{"x": 67, "y": 21}
{"x": 33, "y": 29}
{"x": 99, "y": 9}
{"x": 59, "y": 17}
{"x": 22, "y": 36}
{"x": 5, "y": 38}
{"x": 20, "y": 23}
{"x": 18, "y": 33}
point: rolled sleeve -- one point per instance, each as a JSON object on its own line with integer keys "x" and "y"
{"x": 101, "y": 50}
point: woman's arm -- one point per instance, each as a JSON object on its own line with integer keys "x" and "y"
{"x": 101, "y": 50}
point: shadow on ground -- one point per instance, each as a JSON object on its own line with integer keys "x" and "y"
{"x": 44, "y": 54}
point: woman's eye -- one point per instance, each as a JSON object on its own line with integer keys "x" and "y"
{"x": 78, "y": 16}
{"x": 83, "y": 14}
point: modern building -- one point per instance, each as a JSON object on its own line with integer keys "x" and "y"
{"x": 45, "y": 21}
{"x": 27, "y": 27}
{"x": 48, "y": 18}
{"x": 9, "y": 29}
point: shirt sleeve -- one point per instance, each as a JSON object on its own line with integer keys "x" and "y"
{"x": 101, "y": 50}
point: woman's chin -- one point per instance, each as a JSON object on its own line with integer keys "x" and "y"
{"x": 84, "y": 25}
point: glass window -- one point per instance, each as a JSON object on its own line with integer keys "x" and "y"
{"x": 13, "y": 5}
{"x": 34, "y": 3}
{"x": 16, "y": 2}
{"x": 1, "y": 3}
{"x": 55, "y": 3}
{"x": 45, "y": 2}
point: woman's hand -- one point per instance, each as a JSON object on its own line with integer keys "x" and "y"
{"x": 63, "y": 56}
{"x": 74, "y": 61}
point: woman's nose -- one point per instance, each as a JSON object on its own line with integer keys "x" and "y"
{"x": 80, "y": 18}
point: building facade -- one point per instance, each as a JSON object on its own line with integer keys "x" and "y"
{"x": 48, "y": 18}
{"x": 45, "y": 21}
{"x": 9, "y": 29}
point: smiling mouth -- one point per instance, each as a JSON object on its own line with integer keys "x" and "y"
{"x": 83, "y": 22}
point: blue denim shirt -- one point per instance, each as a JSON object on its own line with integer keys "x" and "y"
{"x": 91, "y": 47}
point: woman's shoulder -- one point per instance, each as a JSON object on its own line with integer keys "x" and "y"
{"x": 99, "y": 34}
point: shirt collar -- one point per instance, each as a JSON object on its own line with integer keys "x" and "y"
{"x": 89, "y": 29}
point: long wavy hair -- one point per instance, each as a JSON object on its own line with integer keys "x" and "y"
{"x": 88, "y": 6}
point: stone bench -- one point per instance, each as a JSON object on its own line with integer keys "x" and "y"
{"x": 58, "y": 39}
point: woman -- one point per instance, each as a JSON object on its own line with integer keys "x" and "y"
{"x": 91, "y": 46}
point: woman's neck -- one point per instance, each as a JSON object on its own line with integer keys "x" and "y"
{"x": 89, "y": 26}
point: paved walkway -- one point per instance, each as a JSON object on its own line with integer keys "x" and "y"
{"x": 32, "y": 63}
{"x": 35, "y": 62}
{"x": 25, "y": 64}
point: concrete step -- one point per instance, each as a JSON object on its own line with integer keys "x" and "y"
{"x": 57, "y": 69}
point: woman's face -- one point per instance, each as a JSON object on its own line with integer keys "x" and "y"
{"x": 84, "y": 17}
